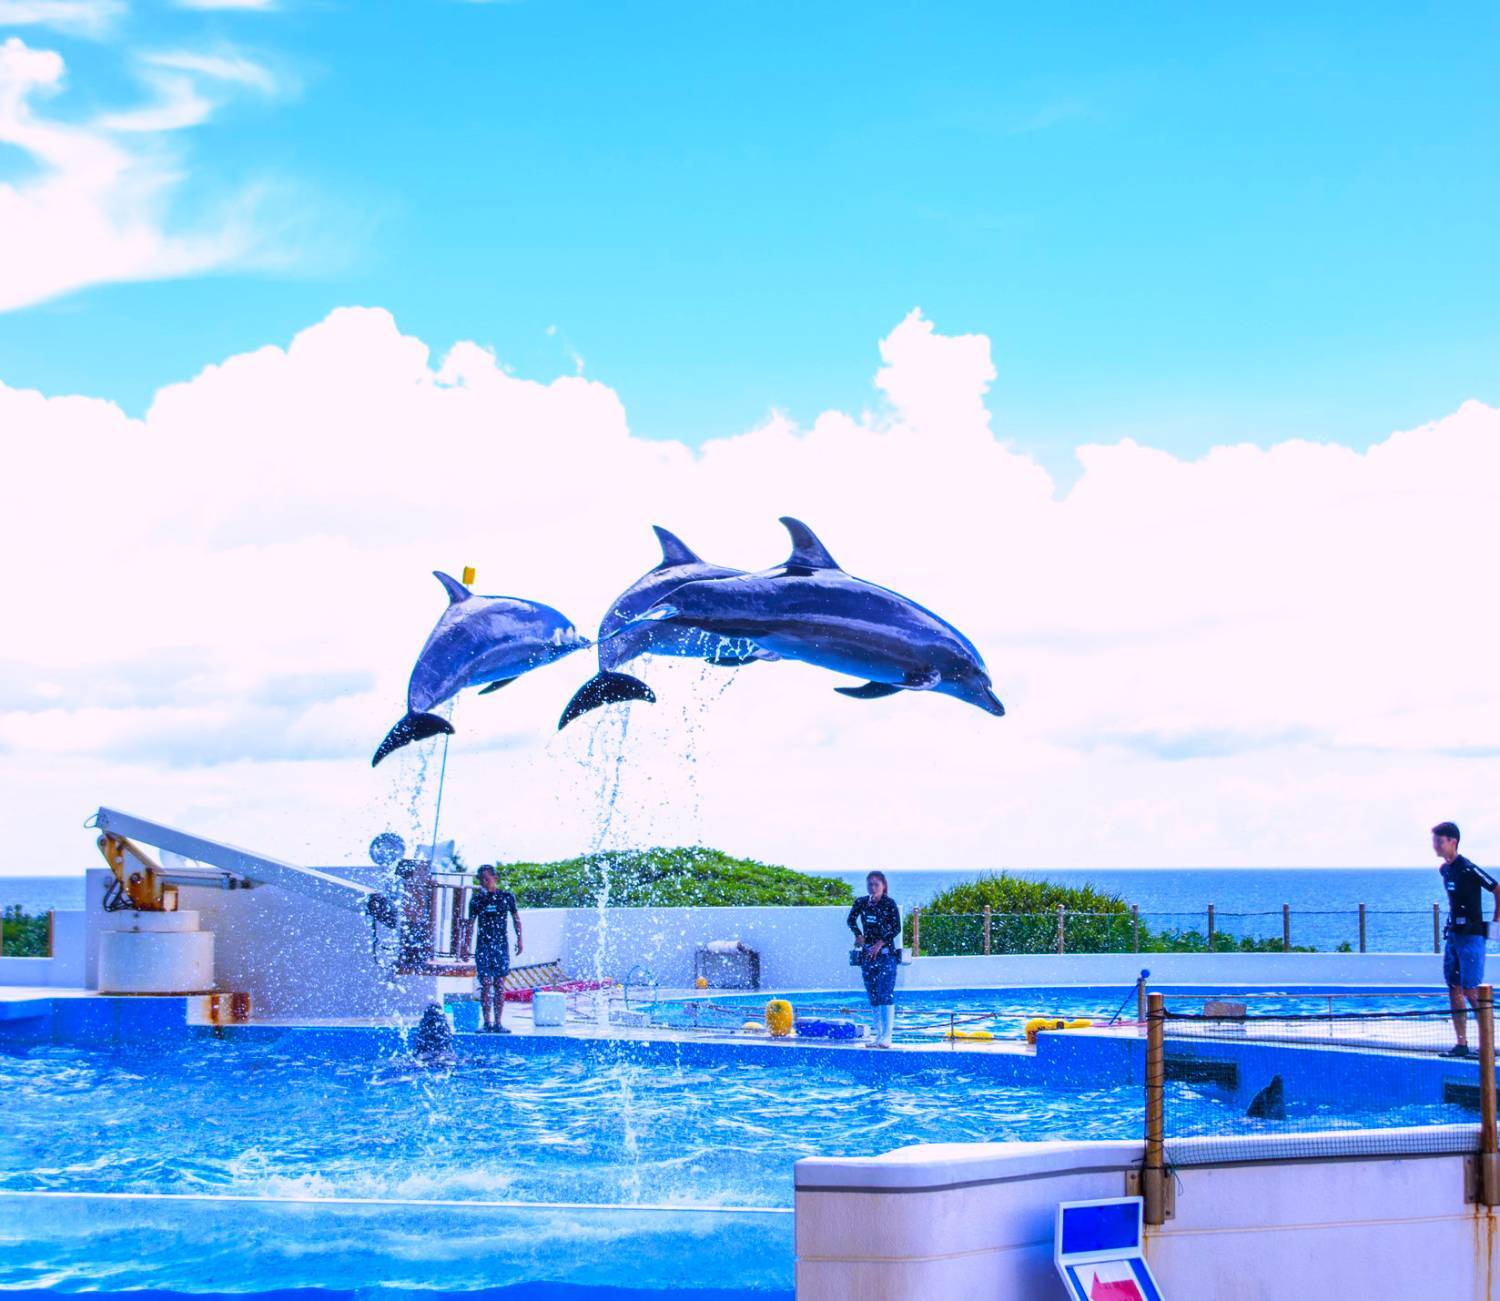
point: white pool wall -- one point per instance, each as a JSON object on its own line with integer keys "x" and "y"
{"x": 65, "y": 969}
{"x": 808, "y": 948}
{"x": 297, "y": 957}
{"x": 976, "y": 1221}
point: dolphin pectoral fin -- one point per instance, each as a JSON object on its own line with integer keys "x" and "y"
{"x": 605, "y": 689}
{"x": 656, "y": 614}
{"x": 495, "y": 686}
{"x": 870, "y": 691}
{"x": 413, "y": 727}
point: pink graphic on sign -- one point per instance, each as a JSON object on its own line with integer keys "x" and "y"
{"x": 1110, "y": 1280}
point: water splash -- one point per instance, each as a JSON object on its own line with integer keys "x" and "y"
{"x": 707, "y": 688}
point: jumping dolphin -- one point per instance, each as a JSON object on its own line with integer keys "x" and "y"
{"x": 809, "y": 609}
{"x": 622, "y": 636}
{"x": 479, "y": 639}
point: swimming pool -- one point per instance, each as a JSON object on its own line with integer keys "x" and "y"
{"x": 146, "y": 1154}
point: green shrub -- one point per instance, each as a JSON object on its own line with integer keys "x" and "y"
{"x": 1023, "y": 919}
{"x": 666, "y": 878}
{"x": 21, "y": 935}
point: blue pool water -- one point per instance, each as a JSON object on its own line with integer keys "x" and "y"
{"x": 923, "y": 1015}
{"x": 138, "y": 1153}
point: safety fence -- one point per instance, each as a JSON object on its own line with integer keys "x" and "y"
{"x": 1064, "y": 930}
{"x": 1238, "y": 1079}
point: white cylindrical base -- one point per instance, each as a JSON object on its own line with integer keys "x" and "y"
{"x": 156, "y": 953}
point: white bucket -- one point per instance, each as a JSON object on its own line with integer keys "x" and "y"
{"x": 549, "y": 1007}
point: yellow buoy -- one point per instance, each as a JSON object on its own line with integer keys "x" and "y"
{"x": 1042, "y": 1023}
{"x": 1082, "y": 1023}
{"x": 972, "y": 1034}
{"x": 753, "y": 1027}
{"x": 701, "y": 983}
{"x": 779, "y": 1017}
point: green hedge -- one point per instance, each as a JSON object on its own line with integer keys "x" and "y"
{"x": 1023, "y": 919}
{"x": 21, "y": 935}
{"x": 666, "y": 878}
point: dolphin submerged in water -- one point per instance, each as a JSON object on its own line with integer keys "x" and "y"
{"x": 811, "y": 610}
{"x": 623, "y": 636}
{"x": 478, "y": 640}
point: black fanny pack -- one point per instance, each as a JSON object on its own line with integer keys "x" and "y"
{"x": 858, "y": 957}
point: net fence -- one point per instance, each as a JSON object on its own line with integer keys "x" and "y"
{"x": 1244, "y": 1082}
{"x": 1332, "y": 931}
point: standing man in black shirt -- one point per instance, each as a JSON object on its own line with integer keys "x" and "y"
{"x": 489, "y": 906}
{"x": 1463, "y": 945}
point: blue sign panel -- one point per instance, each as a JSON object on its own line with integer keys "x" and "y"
{"x": 1097, "y": 1249}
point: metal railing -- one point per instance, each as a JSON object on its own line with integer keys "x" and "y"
{"x": 1358, "y": 929}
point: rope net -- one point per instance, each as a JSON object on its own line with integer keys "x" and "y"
{"x": 1316, "y": 1083}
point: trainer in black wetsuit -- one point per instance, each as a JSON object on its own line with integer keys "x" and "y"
{"x": 1463, "y": 941}
{"x": 876, "y": 923}
{"x": 489, "y": 907}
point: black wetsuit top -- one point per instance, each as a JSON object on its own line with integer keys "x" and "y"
{"x": 876, "y": 920}
{"x": 491, "y": 907}
{"x": 1466, "y": 885}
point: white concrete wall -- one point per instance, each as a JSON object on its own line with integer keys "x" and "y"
{"x": 1178, "y": 968}
{"x": 976, "y": 1221}
{"x": 65, "y": 969}
{"x": 807, "y": 948}
{"x": 543, "y": 930}
{"x": 800, "y": 948}
{"x": 295, "y": 957}
{"x": 298, "y": 958}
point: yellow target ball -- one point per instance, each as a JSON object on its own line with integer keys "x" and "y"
{"x": 779, "y": 1018}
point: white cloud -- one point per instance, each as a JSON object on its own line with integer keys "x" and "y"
{"x": 227, "y": 67}
{"x": 261, "y": 6}
{"x": 1266, "y": 655}
{"x": 99, "y": 207}
{"x": 81, "y": 17}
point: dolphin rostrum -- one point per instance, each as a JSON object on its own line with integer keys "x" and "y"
{"x": 479, "y": 639}
{"x": 622, "y": 635}
{"x": 810, "y": 610}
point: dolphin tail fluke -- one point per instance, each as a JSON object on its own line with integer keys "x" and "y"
{"x": 414, "y": 727}
{"x": 605, "y": 689}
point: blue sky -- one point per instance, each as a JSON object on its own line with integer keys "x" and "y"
{"x": 1132, "y": 232}
{"x": 1185, "y": 224}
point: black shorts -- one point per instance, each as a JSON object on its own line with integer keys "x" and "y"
{"x": 492, "y": 961}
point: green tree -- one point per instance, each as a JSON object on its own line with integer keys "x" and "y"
{"x": 686, "y": 876}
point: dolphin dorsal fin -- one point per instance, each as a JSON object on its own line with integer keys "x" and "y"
{"x": 456, "y": 591}
{"x": 807, "y": 551}
{"x": 674, "y": 551}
